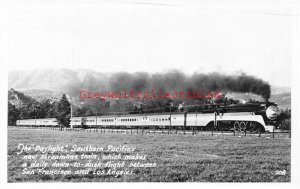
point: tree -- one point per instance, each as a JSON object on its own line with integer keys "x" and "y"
{"x": 63, "y": 112}
{"x": 13, "y": 114}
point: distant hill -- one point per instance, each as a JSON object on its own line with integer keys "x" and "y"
{"x": 18, "y": 99}
{"x": 280, "y": 90}
{"x": 56, "y": 80}
{"x": 42, "y": 94}
{"x": 283, "y": 100}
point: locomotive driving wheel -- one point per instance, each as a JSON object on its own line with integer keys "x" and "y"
{"x": 236, "y": 126}
{"x": 248, "y": 127}
{"x": 254, "y": 127}
{"x": 242, "y": 126}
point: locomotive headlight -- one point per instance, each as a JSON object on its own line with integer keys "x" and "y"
{"x": 272, "y": 112}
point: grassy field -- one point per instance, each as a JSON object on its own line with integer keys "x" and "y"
{"x": 179, "y": 158}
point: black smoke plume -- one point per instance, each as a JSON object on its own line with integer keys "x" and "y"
{"x": 176, "y": 80}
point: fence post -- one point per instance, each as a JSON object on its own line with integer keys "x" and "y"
{"x": 290, "y": 129}
{"x": 215, "y": 123}
{"x": 221, "y": 127}
{"x": 273, "y": 133}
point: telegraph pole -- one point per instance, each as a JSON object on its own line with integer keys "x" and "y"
{"x": 69, "y": 98}
{"x": 170, "y": 120}
{"x": 96, "y": 116}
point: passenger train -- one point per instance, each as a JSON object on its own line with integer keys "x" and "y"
{"x": 250, "y": 121}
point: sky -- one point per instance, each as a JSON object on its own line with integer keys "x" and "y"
{"x": 254, "y": 36}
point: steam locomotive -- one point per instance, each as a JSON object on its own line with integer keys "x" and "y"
{"x": 260, "y": 117}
